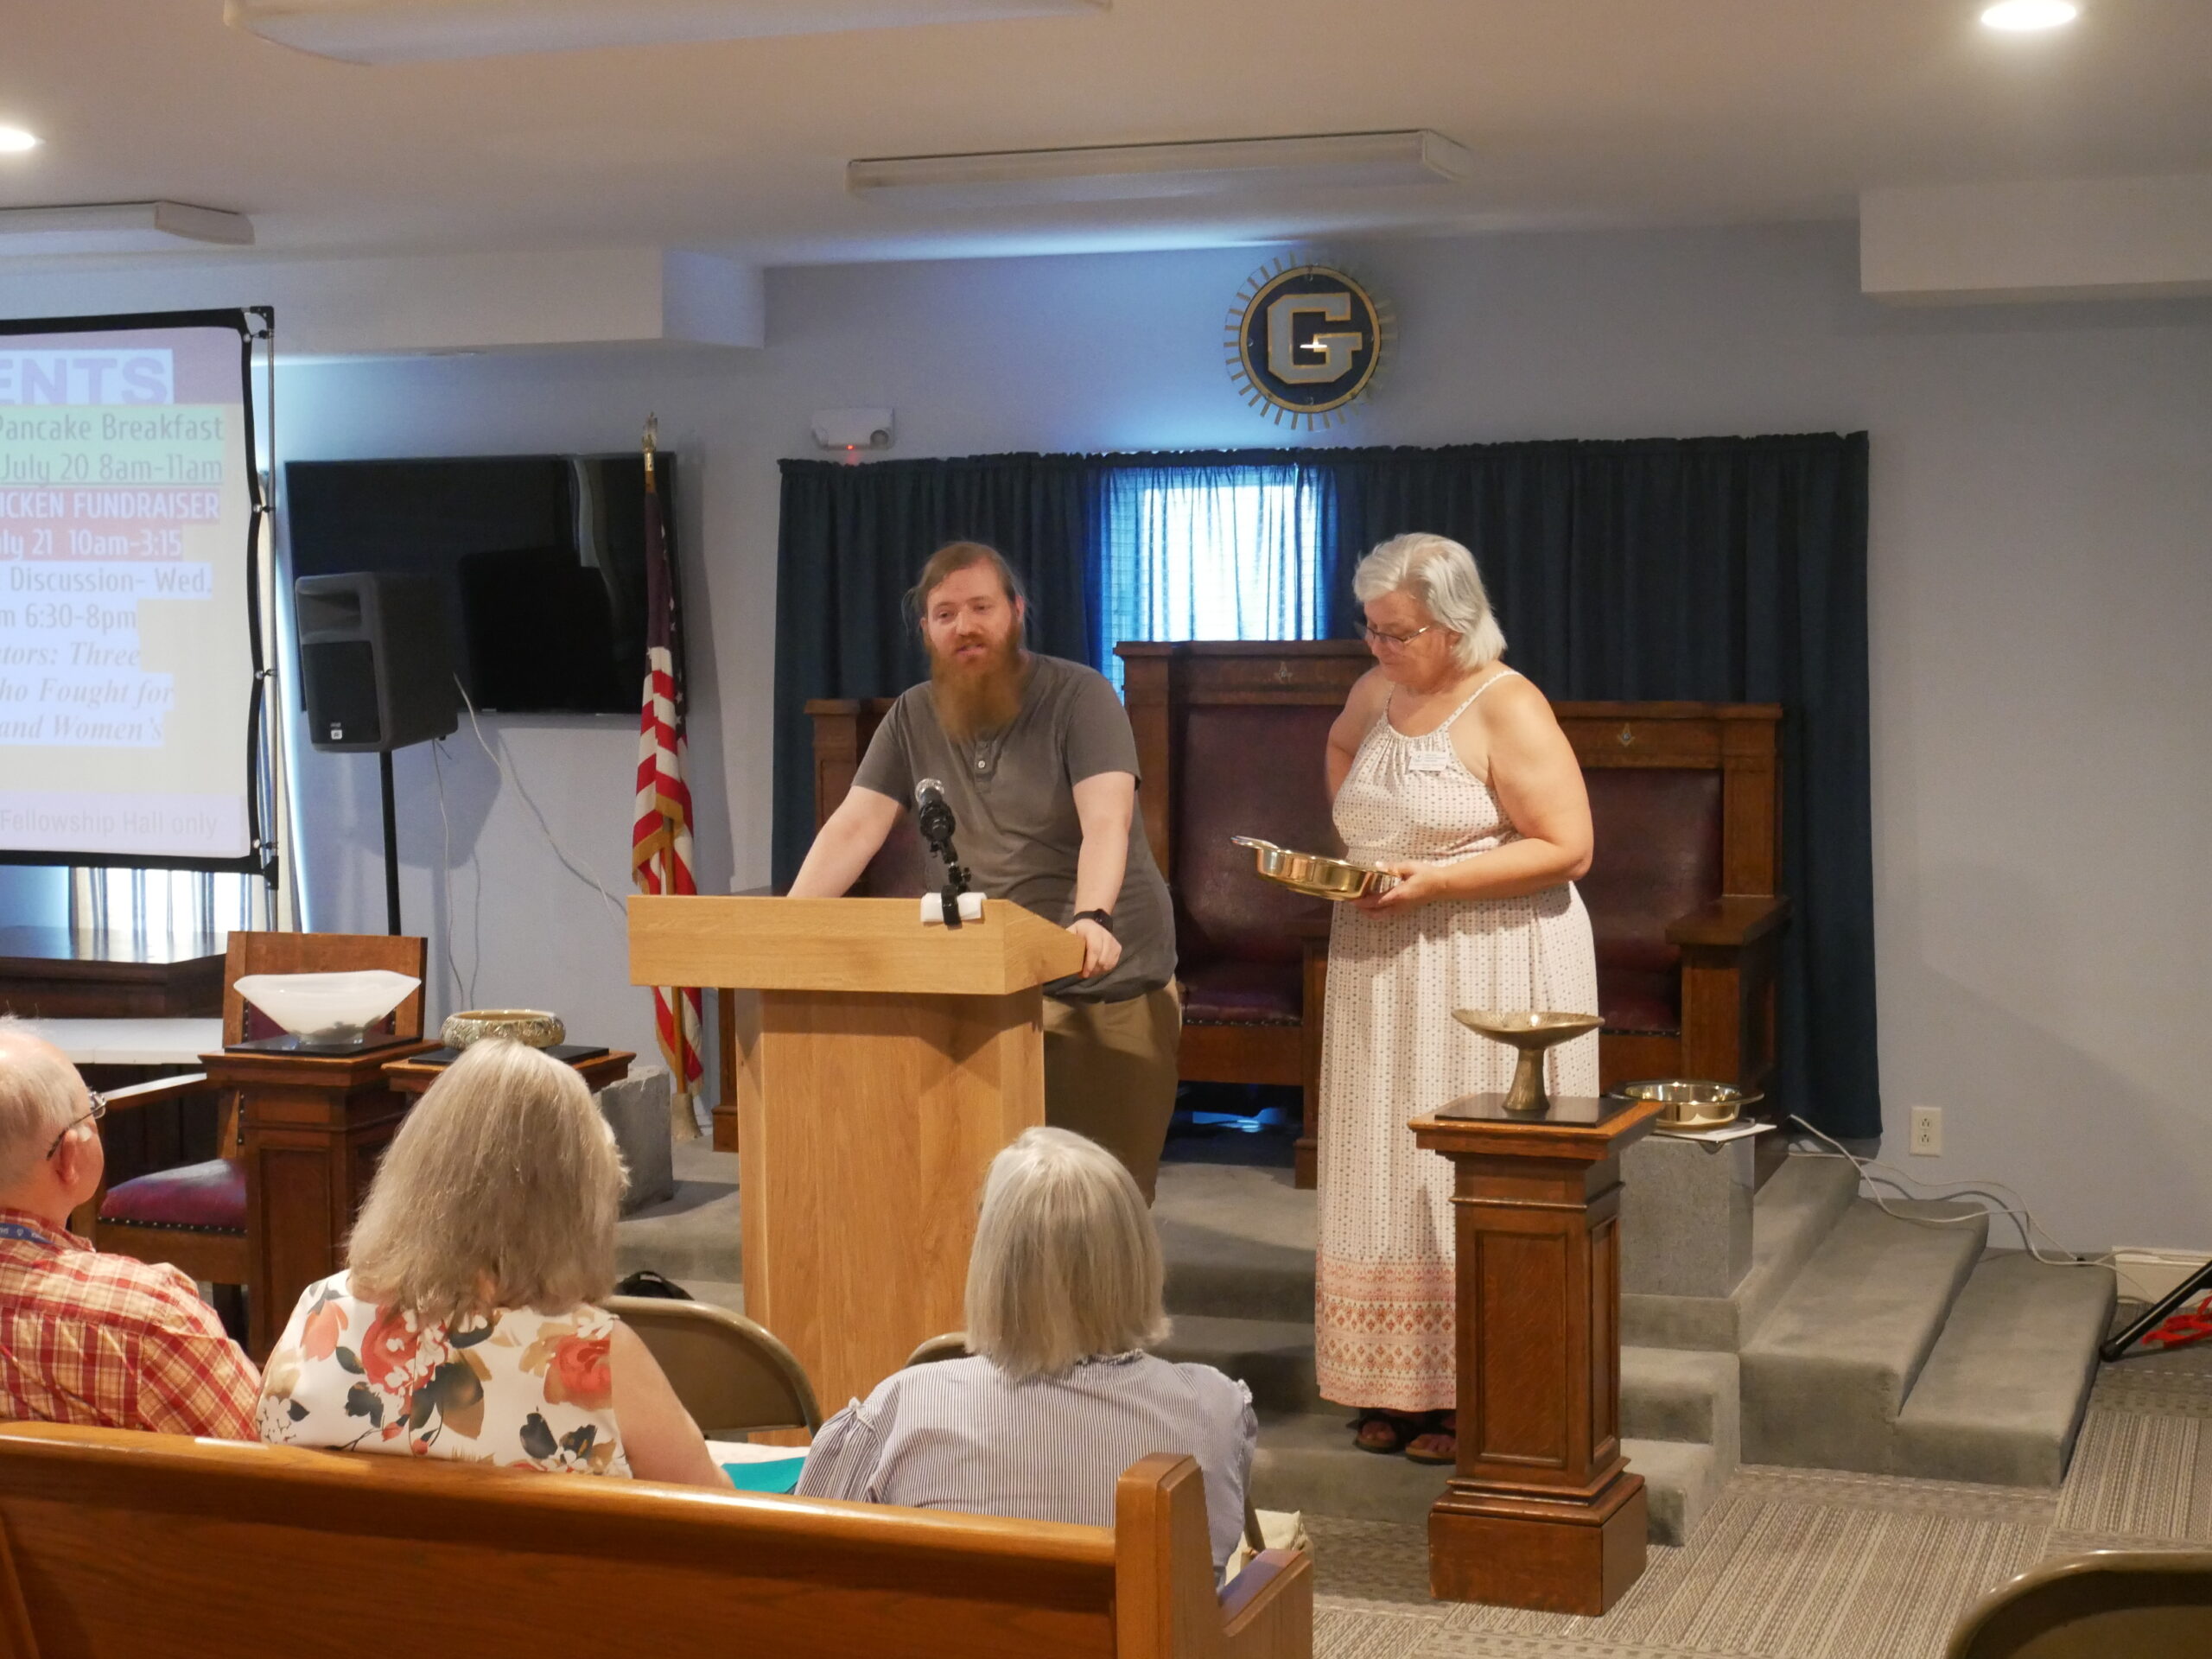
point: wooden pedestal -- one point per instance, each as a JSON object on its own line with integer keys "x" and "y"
{"x": 313, "y": 1130}
{"x": 1541, "y": 1511}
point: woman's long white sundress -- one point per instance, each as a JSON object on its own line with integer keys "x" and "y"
{"x": 1391, "y": 1050}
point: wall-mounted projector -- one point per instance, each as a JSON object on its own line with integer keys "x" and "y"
{"x": 851, "y": 430}
{"x": 410, "y": 31}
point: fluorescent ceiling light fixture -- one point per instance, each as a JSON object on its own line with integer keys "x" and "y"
{"x": 2018, "y": 16}
{"x": 15, "y": 140}
{"x": 409, "y": 31}
{"x": 1210, "y": 167}
{"x": 121, "y": 227}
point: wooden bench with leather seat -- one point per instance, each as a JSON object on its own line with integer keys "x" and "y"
{"x": 113, "y": 1542}
{"x": 196, "y": 1215}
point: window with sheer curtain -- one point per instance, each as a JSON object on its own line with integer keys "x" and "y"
{"x": 1231, "y": 552}
{"x": 160, "y": 905}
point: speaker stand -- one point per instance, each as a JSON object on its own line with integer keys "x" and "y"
{"x": 391, "y": 845}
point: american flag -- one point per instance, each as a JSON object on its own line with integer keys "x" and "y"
{"x": 660, "y": 841}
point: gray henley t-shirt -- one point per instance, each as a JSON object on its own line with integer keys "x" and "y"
{"x": 1012, "y": 794}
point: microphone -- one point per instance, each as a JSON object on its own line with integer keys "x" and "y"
{"x": 932, "y": 813}
{"x": 933, "y": 818}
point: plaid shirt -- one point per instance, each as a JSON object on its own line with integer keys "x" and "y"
{"x": 110, "y": 1342}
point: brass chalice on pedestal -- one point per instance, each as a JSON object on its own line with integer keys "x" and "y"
{"x": 1531, "y": 1033}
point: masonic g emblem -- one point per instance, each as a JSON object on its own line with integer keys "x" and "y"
{"x": 1306, "y": 340}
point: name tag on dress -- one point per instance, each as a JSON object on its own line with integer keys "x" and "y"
{"x": 1426, "y": 760}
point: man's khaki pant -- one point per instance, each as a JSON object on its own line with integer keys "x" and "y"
{"x": 1109, "y": 1074}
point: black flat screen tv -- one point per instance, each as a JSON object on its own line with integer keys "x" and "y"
{"x": 541, "y": 556}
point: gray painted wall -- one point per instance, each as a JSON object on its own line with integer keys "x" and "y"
{"x": 2040, "y": 589}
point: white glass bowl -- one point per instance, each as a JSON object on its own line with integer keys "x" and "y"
{"x": 328, "y": 1007}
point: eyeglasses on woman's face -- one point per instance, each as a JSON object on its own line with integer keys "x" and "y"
{"x": 91, "y": 1115}
{"x": 1380, "y": 638}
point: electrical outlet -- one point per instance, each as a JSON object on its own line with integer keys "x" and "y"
{"x": 1928, "y": 1131}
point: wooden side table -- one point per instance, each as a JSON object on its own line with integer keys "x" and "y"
{"x": 314, "y": 1126}
{"x": 1541, "y": 1511}
{"x": 412, "y": 1077}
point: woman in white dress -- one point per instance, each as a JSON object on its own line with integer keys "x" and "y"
{"x": 1448, "y": 769}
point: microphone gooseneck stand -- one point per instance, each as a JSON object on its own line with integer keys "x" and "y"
{"x": 934, "y": 820}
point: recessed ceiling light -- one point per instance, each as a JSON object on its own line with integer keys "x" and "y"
{"x": 14, "y": 139}
{"x": 2018, "y": 16}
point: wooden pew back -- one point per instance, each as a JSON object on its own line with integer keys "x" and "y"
{"x": 114, "y": 1543}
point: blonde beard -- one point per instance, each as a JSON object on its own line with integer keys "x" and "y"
{"x": 984, "y": 698}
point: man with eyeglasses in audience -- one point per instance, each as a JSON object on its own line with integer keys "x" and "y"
{"x": 105, "y": 1341}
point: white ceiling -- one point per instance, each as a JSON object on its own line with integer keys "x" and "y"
{"x": 1577, "y": 112}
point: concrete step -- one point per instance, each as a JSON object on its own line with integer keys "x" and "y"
{"x": 2002, "y": 1397}
{"x": 1306, "y": 1461}
{"x": 1238, "y": 1242}
{"x": 1681, "y": 1481}
{"x": 1273, "y": 1358}
{"x": 1800, "y": 1203}
{"x": 1828, "y": 1373}
{"x": 1674, "y": 1395}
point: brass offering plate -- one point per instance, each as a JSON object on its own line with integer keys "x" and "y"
{"x": 1314, "y": 874}
{"x": 1688, "y": 1104}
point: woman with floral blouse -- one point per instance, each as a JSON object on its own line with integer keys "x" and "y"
{"x": 465, "y": 1325}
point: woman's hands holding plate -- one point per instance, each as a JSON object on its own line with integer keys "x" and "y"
{"x": 1417, "y": 885}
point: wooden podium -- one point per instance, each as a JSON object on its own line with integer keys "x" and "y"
{"x": 1541, "y": 1511}
{"x": 892, "y": 1062}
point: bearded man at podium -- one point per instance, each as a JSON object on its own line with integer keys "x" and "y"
{"x": 1039, "y": 768}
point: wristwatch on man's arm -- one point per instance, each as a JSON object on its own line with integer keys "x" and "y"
{"x": 1103, "y": 918}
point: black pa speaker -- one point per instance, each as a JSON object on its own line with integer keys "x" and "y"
{"x": 375, "y": 660}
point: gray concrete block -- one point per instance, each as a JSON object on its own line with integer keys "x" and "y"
{"x": 2001, "y": 1397}
{"x": 1686, "y": 1215}
{"x": 636, "y": 1108}
{"x": 1826, "y": 1376}
{"x": 1790, "y": 1216}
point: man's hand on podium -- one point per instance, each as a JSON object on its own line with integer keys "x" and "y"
{"x": 1101, "y": 950}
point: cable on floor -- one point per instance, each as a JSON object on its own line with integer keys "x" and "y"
{"x": 2027, "y": 1224}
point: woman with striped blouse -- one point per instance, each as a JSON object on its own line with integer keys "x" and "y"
{"x": 1059, "y": 1397}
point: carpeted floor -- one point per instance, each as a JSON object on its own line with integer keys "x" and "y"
{"x": 1797, "y": 1563}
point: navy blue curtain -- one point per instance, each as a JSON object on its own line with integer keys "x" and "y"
{"x": 1720, "y": 569}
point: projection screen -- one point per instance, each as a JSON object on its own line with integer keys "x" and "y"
{"x": 130, "y": 649}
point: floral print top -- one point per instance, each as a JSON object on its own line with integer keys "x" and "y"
{"x": 517, "y": 1389}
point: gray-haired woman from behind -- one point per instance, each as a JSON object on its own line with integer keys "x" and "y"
{"x": 1059, "y": 1397}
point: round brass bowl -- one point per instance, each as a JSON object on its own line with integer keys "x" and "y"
{"x": 1314, "y": 874}
{"x": 531, "y": 1027}
{"x": 1690, "y": 1103}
